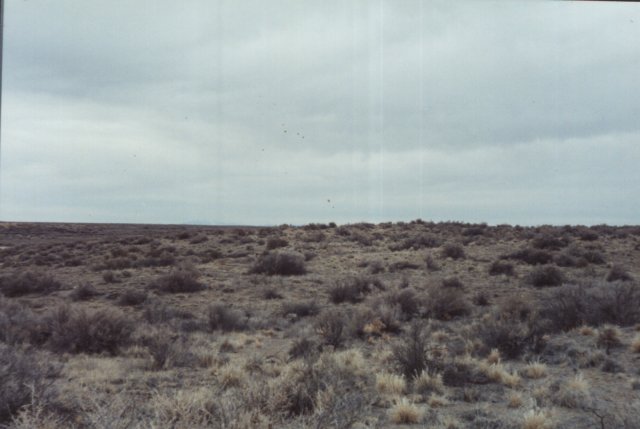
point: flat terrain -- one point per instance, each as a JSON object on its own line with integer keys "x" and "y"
{"x": 418, "y": 324}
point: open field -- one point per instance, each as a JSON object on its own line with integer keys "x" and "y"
{"x": 438, "y": 325}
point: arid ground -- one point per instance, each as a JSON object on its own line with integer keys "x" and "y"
{"x": 417, "y": 324}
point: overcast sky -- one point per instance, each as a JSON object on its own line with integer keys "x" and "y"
{"x": 255, "y": 112}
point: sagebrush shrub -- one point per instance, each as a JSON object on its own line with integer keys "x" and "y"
{"x": 178, "y": 281}
{"x": 276, "y": 242}
{"x": 330, "y": 326}
{"x": 25, "y": 375}
{"x": 75, "y": 330}
{"x": 29, "y": 282}
{"x": 531, "y": 256}
{"x": 83, "y": 292}
{"x": 220, "y": 316}
{"x": 453, "y": 251}
{"x": 132, "y": 297}
{"x": 452, "y": 282}
{"x": 411, "y": 353}
{"x": 501, "y": 267}
{"x": 594, "y": 304}
{"x": 352, "y": 289}
{"x": 419, "y": 241}
{"x": 280, "y": 263}
{"x": 447, "y": 303}
{"x": 618, "y": 273}
{"x": 545, "y": 276}
{"x": 300, "y": 308}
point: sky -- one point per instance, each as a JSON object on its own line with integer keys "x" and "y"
{"x": 265, "y": 113}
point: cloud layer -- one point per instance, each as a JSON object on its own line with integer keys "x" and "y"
{"x": 220, "y": 112}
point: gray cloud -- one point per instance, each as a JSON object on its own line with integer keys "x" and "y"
{"x": 521, "y": 112}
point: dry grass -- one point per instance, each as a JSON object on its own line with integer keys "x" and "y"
{"x": 404, "y": 412}
{"x": 535, "y": 370}
{"x": 574, "y": 393}
{"x": 365, "y": 335}
{"x": 390, "y": 384}
{"x": 536, "y": 419}
{"x": 635, "y": 344}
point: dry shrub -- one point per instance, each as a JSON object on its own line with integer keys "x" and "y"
{"x": 512, "y": 329}
{"x": 156, "y": 312}
{"x": 221, "y": 317}
{"x": 327, "y": 386}
{"x": 453, "y": 251}
{"x": 635, "y": 344}
{"x": 618, "y": 273}
{"x": 182, "y": 280}
{"x": 83, "y": 292}
{"x": 276, "y": 242}
{"x": 300, "y": 308}
{"x": 19, "y": 284}
{"x": 531, "y": 256}
{"x": 411, "y": 353}
{"x": 447, "y": 303}
{"x": 501, "y": 267}
{"x": 593, "y": 257}
{"x": 280, "y": 263}
{"x": 302, "y": 348}
{"x": 132, "y": 297}
{"x": 18, "y": 324}
{"x": 431, "y": 263}
{"x": 407, "y": 301}
{"x": 75, "y": 330}
{"x": 608, "y": 338}
{"x": 547, "y": 241}
{"x": 419, "y": 241}
{"x": 26, "y": 376}
{"x": 353, "y": 289}
{"x": 594, "y": 304}
{"x": 545, "y": 276}
{"x": 330, "y": 326}
{"x": 166, "y": 351}
{"x": 452, "y": 282}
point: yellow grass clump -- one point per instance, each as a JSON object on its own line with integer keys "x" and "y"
{"x": 533, "y": 419}
{"x": 535, "y": 370}
{"x": 426, "y": 382}
{"x": 635, "y": 344}
{"x": 494, "y": 357}
{"x": 390, "y": 384}
{"x": 404, "y": 412}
